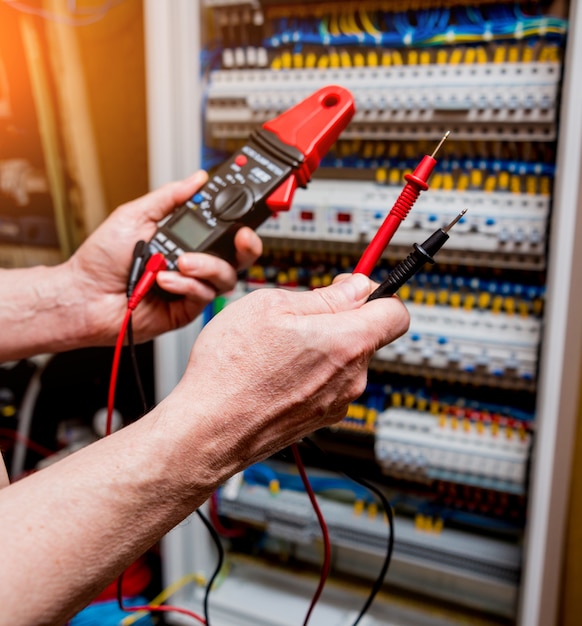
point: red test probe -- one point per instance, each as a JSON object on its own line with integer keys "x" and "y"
{"x": 415, "y": 183}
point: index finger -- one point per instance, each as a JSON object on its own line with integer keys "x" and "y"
{"x": 249, "y": 247}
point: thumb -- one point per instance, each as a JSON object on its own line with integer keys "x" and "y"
{"x": 159, "y": 203}
{"x": 344, "y": 295}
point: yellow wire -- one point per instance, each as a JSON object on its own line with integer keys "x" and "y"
{"x": 372, "y": 58}
{"x": 359, "y": 60}
{"x": 164, "y": 595}
{"x": 311, "y": 60}
{"x": 333, "y": 28}
{"x": 456, "y": 56}
{"x": 397, "y": 58}
{"x": 367, "y": 24}
{"x": 470, "y": 55}
{"x": 345, "y": 25}
{"x": 527, "y": 54}
{"x": 425, "y": 57}
{"x": 345, "y": 59}
{"x": 481, "y": 55}
{"x": 356, "y": 30}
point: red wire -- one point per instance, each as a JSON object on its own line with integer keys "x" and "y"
{"x": 165, "y": 609}
{"x": 325, "y": 533}
{"x": 147, "y": 607}
{"x": 115, "y": 370}
{"x": 31, "y": 445}
{"x": 220, "y": 528}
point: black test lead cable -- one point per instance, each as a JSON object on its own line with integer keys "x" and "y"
{"x": 329, "y": 463}
{"x": 422, "y": 253}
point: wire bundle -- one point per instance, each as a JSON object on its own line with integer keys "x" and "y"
{"x": 431, "y": 27}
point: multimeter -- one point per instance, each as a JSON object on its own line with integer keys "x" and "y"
{"x": 259, "y": 180}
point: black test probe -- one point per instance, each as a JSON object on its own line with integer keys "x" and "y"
{"x": 422, "y": 253}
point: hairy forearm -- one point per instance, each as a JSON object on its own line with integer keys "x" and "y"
{"x": 40, "y": 311}
{"x": 69, "y": 530}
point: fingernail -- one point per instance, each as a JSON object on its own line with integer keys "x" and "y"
{"x": 357, "y": 286}
{"x": 197, "y": 178}
{"x": 188, "y": 262}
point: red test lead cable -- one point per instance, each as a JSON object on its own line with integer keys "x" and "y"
{"x": 415, "y": 183}
{"x": 156, "y": 263}
{"x": 326, "y": 566}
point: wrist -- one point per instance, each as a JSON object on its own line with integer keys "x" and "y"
{"x": 100, "y": 308}
{"x": 42, "y": 311}
{"x": 195, "y": 448}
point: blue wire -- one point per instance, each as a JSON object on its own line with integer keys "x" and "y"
{"x": 263, "y": 474}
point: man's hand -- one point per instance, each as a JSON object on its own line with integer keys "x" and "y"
{"x": 275, "y": 366}
{"x": 102, "y": 263}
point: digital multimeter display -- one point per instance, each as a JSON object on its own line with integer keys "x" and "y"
{"x": 190, "y": 229}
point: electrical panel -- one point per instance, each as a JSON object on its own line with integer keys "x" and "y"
{"x": 449, "y": 422}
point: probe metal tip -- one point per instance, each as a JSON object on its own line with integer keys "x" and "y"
{"x": 447, "y": 228}
{"x": 445, "y": 137}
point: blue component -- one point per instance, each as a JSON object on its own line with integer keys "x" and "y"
{"x": 415, "y": 337}
{"x": 197, "y": 198}
{"x": 490, "y": 221}
{"x": 207, "y": 313}
{"x": 258, "y": 471}
{"x": 442, "y": 340}
{"x": 533, "y": 292}
{"x": 432, "y": 218}
{"x": 101, "y": 613}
